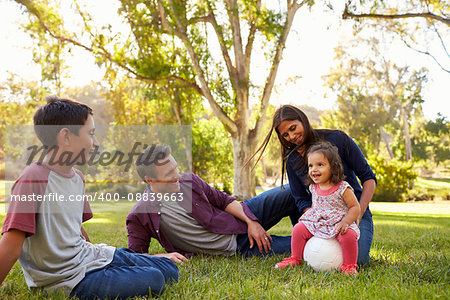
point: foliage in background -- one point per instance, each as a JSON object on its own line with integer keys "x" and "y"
{"x": 49, "y": 53}
{"x": 213, "y": 153}
{"x": 376, "y": 98}
{"x": 432, "y": 142}
{"x": 19, "y": 100}
{"x": 394, "y": 178}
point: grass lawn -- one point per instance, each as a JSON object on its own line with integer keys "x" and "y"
{"x": 410, "y": 260}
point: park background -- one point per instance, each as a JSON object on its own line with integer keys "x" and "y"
{"x": 384, "y": 81}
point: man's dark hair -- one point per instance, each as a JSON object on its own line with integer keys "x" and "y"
{"x": 146, "y": 161}
{"x": 330, "y": 151}
{"x": 59, "y": 113}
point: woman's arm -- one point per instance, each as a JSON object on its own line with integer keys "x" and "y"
{"x": 357, "y": 162}
{"x": 299, "y": 190}
{"x": 366, "y": 197}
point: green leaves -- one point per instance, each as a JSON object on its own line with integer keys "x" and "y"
{"x": 394, "y": 178}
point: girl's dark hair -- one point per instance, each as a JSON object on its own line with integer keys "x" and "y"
{"x": 288, "y": 113}
{"x": 330, "y": 151}
{"x": 59, "y": 113}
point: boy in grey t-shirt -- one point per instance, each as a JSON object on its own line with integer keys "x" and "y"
{"x": 47, "y": 235}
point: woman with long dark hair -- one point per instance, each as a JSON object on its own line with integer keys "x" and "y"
{"x": 296, "y": 136}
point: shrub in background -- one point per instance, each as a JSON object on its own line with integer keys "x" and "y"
{"x": 394, "y": 178}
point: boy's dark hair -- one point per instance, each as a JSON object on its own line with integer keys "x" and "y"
{"x": 59, "y": 113}
{"x": 330, "y": 151}
{"x": 146, "y": 161}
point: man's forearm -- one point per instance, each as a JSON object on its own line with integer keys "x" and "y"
{"x": 235, "y": 209}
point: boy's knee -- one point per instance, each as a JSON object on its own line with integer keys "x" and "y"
{"x": 156, "y": 282}
{"x": 172, "y": 273}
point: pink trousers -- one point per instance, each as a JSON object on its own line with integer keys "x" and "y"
{"x": 348, "y": 242}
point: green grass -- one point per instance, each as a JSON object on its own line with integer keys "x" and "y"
{"x": 409, "y": 260}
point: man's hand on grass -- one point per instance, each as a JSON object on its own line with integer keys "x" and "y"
{"x": 256, "y": 233}
{"x": 173, "y": 256}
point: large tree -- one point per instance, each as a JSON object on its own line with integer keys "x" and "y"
{"x": 206, "y": 46}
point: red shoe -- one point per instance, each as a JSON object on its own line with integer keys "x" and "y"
{"x": 349, "y": 269}
{"x": 289, "y": 261}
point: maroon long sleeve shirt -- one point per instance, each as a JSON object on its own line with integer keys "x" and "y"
{"x": 206, "y": 203}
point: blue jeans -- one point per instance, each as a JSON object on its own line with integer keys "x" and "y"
{"x": 365, "y": 238}
{"x": 128, "y": 275}
{"x": 269, "y": 207}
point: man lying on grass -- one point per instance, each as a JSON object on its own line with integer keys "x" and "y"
{"x": 188, "y": 216}
{"x": 55, "y": 252}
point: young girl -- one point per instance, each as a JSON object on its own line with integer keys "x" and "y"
{"x": 334, "y": 209}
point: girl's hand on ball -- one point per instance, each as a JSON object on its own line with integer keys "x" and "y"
{"x": 341, "y": 227}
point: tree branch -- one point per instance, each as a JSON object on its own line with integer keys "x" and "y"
{"x": 226, "y": 56}
{"x": 104, "y": 53}
{"x": 427, "y": 53}
{"x": 180, "y": 31}
{"x": 251, "y": 38}
{"x": 233, "y": 15}
{"x": 162, "y": 15}
{"x": 427, "y": 15}
{"x": 442, "y": 41}
{"x": 292, "y": 9}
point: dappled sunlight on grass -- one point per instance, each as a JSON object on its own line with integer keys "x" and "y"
{"x": 98, "y": 220}
{"x": 412, "y": 223}
{"x": 414, "y": 245}
{"x": 426, "y": 207}
{"x": 112, "y": 207}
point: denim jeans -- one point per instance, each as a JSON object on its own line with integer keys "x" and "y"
{"x": 269, "y": 207}
{"x": 128, "y": 275}
{"x": 365, "y": 238}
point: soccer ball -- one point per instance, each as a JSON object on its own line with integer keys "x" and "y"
{"x": 323, "y": 254}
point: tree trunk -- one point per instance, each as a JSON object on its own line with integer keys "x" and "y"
{"x": 408, "y": 147}
{"x": 244, "y": 179}
{"x": 385, "y": 137}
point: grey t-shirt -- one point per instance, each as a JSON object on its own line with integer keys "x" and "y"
{"x": 54, "y": 255}
{"x": 187, "y": 234}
